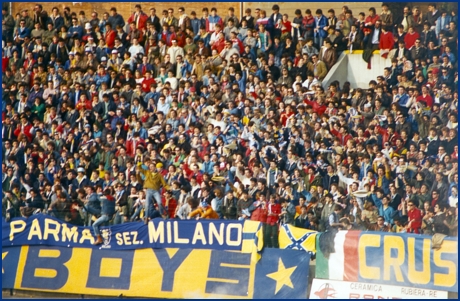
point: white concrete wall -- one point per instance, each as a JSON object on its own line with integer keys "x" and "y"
{"x": 358, "y": 73}
{"x": 338, "y": 72}
{"x": 352, "y": 68}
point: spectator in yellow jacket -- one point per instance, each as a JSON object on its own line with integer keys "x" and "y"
{"x": 153, "y": 182}
{"x": 204, "y": 211}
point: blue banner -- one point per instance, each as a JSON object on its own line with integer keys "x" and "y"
{"x": 158, "y": 234}
{"x": 159, "y": 273}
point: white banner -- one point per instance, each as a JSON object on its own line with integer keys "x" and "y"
{"x": 333, "y": 289}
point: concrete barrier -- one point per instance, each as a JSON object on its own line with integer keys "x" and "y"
{"x": 352, "y": 68}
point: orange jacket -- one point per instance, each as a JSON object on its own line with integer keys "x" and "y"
{"x": 206, "y": 213}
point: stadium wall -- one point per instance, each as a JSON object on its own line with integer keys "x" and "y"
{"x": 126, "y": 8}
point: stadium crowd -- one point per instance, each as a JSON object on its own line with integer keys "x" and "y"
{"x": 190, "y": 115}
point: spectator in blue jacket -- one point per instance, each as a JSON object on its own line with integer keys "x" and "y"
{"x": 184, "y": 66}
{"x": 115, "y": 18}
{"x": 75, "y": 31}
{"x": 240, "y": 79}
{"x": 274, "y": 22}
{"x": 207, "y": 165}
{"x": 402, "y": 99}
{"x": 107, "y": 212}
{"x": 382, "y": 179}
{"x": 195, "y": 23}
{"x": 384, "y": 207}
{"x": 93, "y": 203}
{"x": 22, "y": 32}
{"x": 36, "y": 92}
{"x": 56, "y": 19}
{"x": 442, "y": 23}
{"x": 101, "y": 77}
{"x": 117, "y": 118}
{"x": 318, "y": 32}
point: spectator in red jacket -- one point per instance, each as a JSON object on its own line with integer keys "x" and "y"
{"x": 110, "y": 35}
{"x": 434, "y": 198}
{"x": 133, "y": 143}
{"x": 5, "y": 62}
{"x": 414, "y": 218}
{"x": 342, "y": 133}
{"x": 261, "y": 212}
{"x": 286, "y": 114}
{"x": 372, "y": 18}
{"x": 410, "y": 37}
{"x": 425, "y": 97}
{"x": 318, "y": 106}
{"x": 193, "y": 172}
{"x": 219, "y": 44}
{"x": 83, "y": 103}
{"x": 138, "y": 17}
{"x": 24, "y": 128}
{"x": 148, "y": 81}
{"x": 271, "y": 229}
{"x": 386, "y": 42}
{"x": 388, "y": 135}
{"x": 169, "y": 203}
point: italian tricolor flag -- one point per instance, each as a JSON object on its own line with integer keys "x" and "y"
{"x": 342, "y": 263}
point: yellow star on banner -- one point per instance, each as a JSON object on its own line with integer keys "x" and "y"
{"x": 3, "y": 257}
{"x": 282, "y": 276}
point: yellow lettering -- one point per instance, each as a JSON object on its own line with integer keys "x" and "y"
{"x": 135, "y": 241}
{"x": 119, "y": 239}
{"x": 35, "y": 230}
{"x": 86, "y": 235}
{"x": 155, "y": 234}
{"x": 199, "y": 234}
{"x": 177, "y": 239}
{"x": 45, "y": 273}
{"x": 51, "y": 231}
{"x": 168, "y": 232}
{"x": 423, "y": 276}
{"x": 126, "y": 238}
{"x": 213, "y": 233}
{"x": 49, "y": 253}
{"x": 393, "y": 242}
{"x": 366, "y": 241}
{"x": 16, "y": 227}
{"x": 239, "y": 228}
{"x": 449, "y": 279}
{"x": 69, "y": 234}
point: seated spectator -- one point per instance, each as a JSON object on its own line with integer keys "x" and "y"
{"x": 205, "y": 211}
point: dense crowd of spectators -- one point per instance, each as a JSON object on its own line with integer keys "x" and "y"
{"x": 107, "y": 121}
